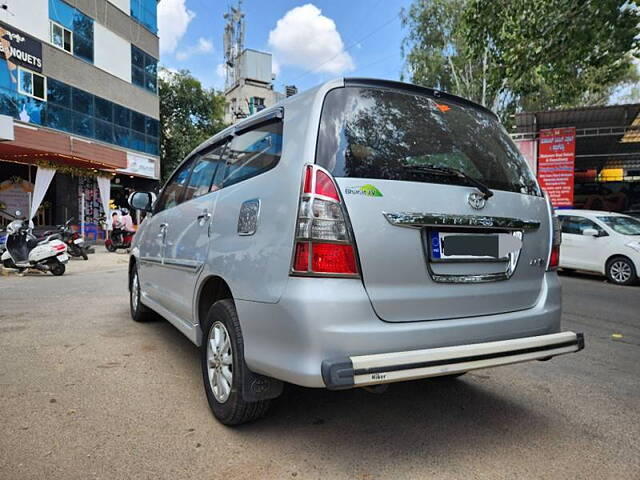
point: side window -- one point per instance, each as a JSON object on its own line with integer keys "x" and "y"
{"x": 253, "y": 153}
{"x": 585, "y": 223}
{"x": 172, "y": 193}
{"x": 576, "y": 225}
{"x": 203, "y": 173}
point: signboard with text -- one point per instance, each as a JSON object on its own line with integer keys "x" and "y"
{"x": 19, "y": 48}
{"x": 140, "y": 166}
{"x": 556, "y": 164}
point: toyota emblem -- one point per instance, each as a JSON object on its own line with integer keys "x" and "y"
{"x": 477, "y": 201}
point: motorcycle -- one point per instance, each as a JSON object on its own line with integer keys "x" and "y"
{"x": 74, "y": 241}
{"x": 24, "y": 250}
{"x": 119, "y": 238}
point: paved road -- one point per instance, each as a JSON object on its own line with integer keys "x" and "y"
{"x": 86, "y": 393}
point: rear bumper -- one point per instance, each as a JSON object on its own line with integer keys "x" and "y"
{"x": 361, "y": 370}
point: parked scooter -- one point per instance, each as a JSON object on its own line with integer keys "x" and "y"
{"x": 74, "y": 241}
{"x": 25, "y": 251}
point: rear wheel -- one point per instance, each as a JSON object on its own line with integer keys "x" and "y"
{"x": 110, "y": 247}
{"x": 83, "y": 252}
{"x": 139, "y": 312}
{"x": 620, "y": 270}
{"x": 57, "y": 268}
{"x": 222, "y": 358}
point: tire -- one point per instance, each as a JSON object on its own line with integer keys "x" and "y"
{"x": 57, "y": 268}
{"x": 227, "y": 404}
{"x": 110, "y": 247}
{"x": 83, "y": 253}
{"x": 620, "y": 270}
{"x": 139, "y": 312}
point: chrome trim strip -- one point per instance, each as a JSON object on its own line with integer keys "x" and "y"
{"x": 512, "y": 263}
{"x": 423, "y": 219}
{"x": 190, "y": 266}
{"x": 154, "y": 260}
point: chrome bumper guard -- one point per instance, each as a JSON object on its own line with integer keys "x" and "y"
{"x": 380, "y": 368}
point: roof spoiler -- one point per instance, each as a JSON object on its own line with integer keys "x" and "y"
{"x": 410, "y": 87}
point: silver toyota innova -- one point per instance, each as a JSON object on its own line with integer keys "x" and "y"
{"x": 360, "y": 233}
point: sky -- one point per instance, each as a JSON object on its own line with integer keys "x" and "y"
{"x": 310, "y": 41}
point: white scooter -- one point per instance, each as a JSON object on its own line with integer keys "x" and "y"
{"x": 23, "y": 250}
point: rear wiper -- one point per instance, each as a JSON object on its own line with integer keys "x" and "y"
{"x": 444, "y": 170}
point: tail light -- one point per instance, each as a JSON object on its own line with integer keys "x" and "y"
{"x": 59, "y": 247}
{"x": 556, "y": 237}
{"x": 324, "y": 242}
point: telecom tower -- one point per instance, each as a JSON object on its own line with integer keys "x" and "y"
{"x": 233, "y": 44}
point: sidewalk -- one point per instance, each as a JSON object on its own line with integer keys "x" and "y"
{"x": 100, "y": 260}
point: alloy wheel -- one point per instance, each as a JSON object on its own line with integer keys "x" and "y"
{"x": 220, "y": 362}
{"x": 620, "y": 271}
{"x": 135, "y": 291}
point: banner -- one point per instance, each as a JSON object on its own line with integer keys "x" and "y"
{"x": 556, "y": 164}
{"x": 16, "y": 47}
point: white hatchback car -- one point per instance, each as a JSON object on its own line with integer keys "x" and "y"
{"x": 602, "y": 242}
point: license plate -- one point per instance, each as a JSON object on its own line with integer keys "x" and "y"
{"x": 63, "y": 257}
{"x": 471, "y": 246}
{"x": 78, "y": 241}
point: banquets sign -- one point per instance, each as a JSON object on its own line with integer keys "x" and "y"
{"x": 556, "y": 164}
{"x": 16, "y": 47}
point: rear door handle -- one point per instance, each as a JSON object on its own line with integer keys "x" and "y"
{"x": 205, "y": 215}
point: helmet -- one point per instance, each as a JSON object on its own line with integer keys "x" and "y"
{"x": 124, "y": 211}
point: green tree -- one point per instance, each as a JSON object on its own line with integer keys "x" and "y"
{"x": 513, "y": 55}
{"x": 189, "y": 114}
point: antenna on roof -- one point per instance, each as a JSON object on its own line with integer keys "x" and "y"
{"x": 233, "y": 44}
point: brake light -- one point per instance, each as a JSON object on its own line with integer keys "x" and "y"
{"x": 59, "y": 247}
{"x": 554, "y": 258}
{"x": 556, "y": 236}
{"x": 324, "y": 242}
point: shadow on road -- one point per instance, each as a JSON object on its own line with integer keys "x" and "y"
{"x": 425, "y": 417}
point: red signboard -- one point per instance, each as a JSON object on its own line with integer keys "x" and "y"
{"x": 556, "y": 164}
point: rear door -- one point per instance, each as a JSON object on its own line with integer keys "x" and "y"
{"x": 379, "y": 144}
{"x": 581, "y": 251}
{"x": 187, "y": 237}
{"x": 152, "y": 243}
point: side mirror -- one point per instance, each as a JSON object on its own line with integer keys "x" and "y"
{"x": 142, "y": 201}
{"x": 590, "y": 232}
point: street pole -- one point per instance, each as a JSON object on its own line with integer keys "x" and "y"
{"x": 82, "y": 215}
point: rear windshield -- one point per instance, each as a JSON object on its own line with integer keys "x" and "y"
{"x": 386, "y": 134}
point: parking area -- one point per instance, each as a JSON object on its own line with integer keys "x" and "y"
{"x": 87, "y": 393}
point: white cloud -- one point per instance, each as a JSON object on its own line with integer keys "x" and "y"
{"x": 173, "y": 20}
{"x": 305, "y": 38}
{"x": 203, "y": 46}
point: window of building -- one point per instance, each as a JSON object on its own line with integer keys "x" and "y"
{"x": 62, "y": 37}
{"x": 32, "y": 84}
{"x": 144, "y": 70}
{"x": 77, "y": 23}
{"x": 146, "y": 13}
{"x": 54, "y": 104}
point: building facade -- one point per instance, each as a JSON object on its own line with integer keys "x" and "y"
{"x": 78, "y": 79}
{"x": 252, "y": 89}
